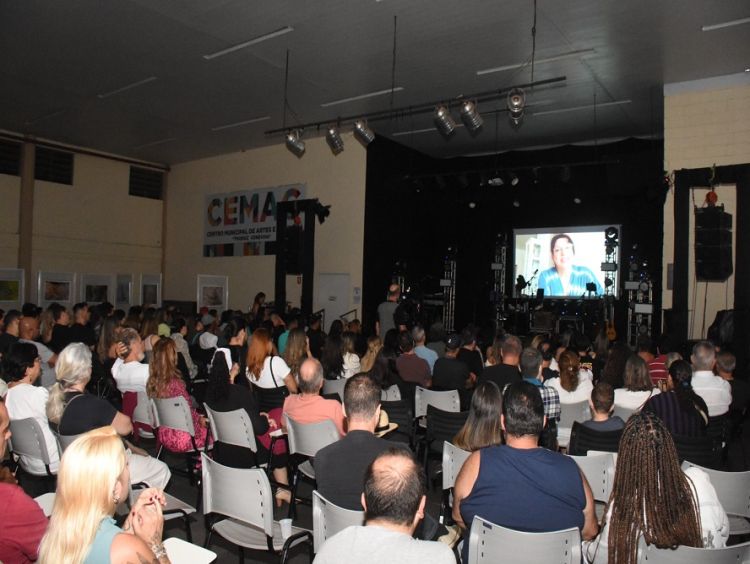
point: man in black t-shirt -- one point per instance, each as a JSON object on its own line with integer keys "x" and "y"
{"x": 449, "y": 373}
{"x": 469, "y": 353}
{"x": 9, "y": 337}
{"x": 81, "y": 331}
{"x": 507, "y": 372}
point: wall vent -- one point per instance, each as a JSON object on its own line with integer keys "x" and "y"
{"x": 53, "y": 165}
{"x": 146, "y": 183}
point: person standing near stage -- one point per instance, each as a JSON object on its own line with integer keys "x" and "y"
{"x": 565, "y": 278}
{"x": 386, "y": 310}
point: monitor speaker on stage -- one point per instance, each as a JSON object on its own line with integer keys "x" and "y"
{"x": 713, "y": 244}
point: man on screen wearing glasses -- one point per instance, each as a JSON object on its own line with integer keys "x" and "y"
{"x": 565, "y": 278}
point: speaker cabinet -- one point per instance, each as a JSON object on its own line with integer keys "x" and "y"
{"x": 713, "y": 244}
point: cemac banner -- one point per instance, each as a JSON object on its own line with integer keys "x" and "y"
{"x": 241, "y": 224}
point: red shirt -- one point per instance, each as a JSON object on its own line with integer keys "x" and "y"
{"x": 22, "y": 526}
{"x": 658, "y": 369}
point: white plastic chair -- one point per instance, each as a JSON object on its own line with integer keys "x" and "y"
{"x": 46, "y": 502}
{"x": 306, "y": 440}
{"x": 733, "y": 491}
{"x": 447, "y": 401}
{"x": 232, "y": 428}
{"x": 737, "y": 554}
{"x": 180, "y": 551}
{"x": 623, "y": 413}
{"x": 144, "y": 414}
{"x": 28, "y": 441}
{"x": 391, "y": 394}
{"x": 243, "y": 496}
{"x": 329, "y": 519}
{"x": 64, "y": 441}
{"x": 453, "y": 461}
{"x": 335, "y": 387}
{"x": 490, "y": 543}
{"x": 174, "y": 509}
{"x": 570, "y": 412}
{"x": 599, "y": 470}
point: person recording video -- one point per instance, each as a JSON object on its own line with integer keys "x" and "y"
{"x": 565, "y": 278}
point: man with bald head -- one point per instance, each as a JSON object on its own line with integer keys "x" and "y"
{"x": 385, "y": 321}
{"x": 28, "y": 331}
{"x": 309, "y": 406}
{"x": 394, "y": 501}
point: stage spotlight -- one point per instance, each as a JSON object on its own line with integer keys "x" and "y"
{"x": 516, "y": 204}
{"x": 335, "y": 142}
{"x": 611, "y": 235}
{"x": 295, "y": 143}
{"x": 444, "y": 121}
{"x": 470, "y": 116}
{"x": 516, "y": 105}
{"x": 363, "y": 133}
{"x": 608, "y": 282}
{"x": 577, "y": 200}
{"x": 513, "y": 179}
{"x": 472, "y": 205}
{"x": 496, "y": 180}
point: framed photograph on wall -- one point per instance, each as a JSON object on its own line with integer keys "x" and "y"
{"x": 97, "y": 288}
{"x": 124, "y": 291}
{"x": 11, "y": 288}
{"x": 151, "y": 290}
{"x": 59, "y": 287}
{"x": 213, "y": 292}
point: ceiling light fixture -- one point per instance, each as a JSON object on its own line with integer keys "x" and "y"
{"x": 516, "y": 105}
{"x": 363, "y": 133}
{"x": 444, "y": 121}
{"x": 584, "y": 107}
{"x": 513, "y": 179}
{"x": 496, "y": 180}
{"x": 253, "y": 41}
{"x": 126, "y": 87}
{"x": 567, "y": 55}
{"x": 295, "y": 143}
{"x": 362, "y": 97}
{"x": 335, "y": 142}
{"x": 722, "y": 25}
{"x": 516, "y": 203}
{"x": 471, "y": 117}
{"x": 239, "y": 123}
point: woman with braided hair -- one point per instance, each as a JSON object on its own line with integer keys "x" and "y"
{"x": 653, "y": 498}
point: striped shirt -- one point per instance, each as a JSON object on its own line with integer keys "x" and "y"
{"x": 679, "y": 421}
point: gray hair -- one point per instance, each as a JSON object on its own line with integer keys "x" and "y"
{"x": 310, "y": 376}
{"x": 418, "y": 333}
{"x": 704, "y": 356}
{"x": 73, "y": 367}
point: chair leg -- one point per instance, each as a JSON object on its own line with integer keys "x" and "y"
{"x": 242, "y": 555}
{"x": 292, "y": 502}
{"x": 188, "y": 532}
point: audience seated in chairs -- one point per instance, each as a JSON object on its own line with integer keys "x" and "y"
{"x": 75, "y": 412}
{"x": 654, "y": 499}
{"x": 93, "y": 479}
{"x": 715, "y": 391}
{"x": 23, "y": 522}
{"x": 309, "y": 406}
{"x": 128, "y": 371}
{"x": 574, "y": 384}
{"x": 394, "y": 501}
{"x": 638, "y": 387}
{"x": 224, "y": 395}
{"x": 268, "y": 372}
{"x": 601, "y": 403}
{"x": 482, "y": 428}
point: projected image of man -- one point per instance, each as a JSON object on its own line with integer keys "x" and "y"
{"x": 565, "y": 278}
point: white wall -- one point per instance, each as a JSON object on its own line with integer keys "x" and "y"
{"x": 706, "y": 122}
{"x": 338, "y": 181}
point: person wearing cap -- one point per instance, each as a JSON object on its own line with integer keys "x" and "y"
{"x": 386, "y": 310}
{"x": 128, "y": 371}
{"x": 452, "y": 374}
{"x": 340, "y": 467}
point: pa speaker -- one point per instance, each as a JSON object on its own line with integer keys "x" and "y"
{"x": 713, "y": 244}
{"x": 291, "y": 249}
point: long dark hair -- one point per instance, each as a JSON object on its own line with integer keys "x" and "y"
{"x": 218, "y": 378}
{"x": 682, "y": 376}
{"x": 614, "y": 370}
{"x": 651, "y": 495}
{"x": 482, "y": 427}
{"x": 331, "y": 357}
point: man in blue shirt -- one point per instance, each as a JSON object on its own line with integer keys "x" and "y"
{"x": 564, "y": 278}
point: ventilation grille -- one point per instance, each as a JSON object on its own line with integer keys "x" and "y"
{"x": 10, "y": 157}
{"x": 53, "y": 165}
{"x": 146, "y": 183}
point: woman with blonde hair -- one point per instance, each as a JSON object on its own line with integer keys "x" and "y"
{"x": 351, "y": 364}
{"x": 165, "y": 381}
{"x": 93, "y": 479}
{"x": 374, "y": 344}
{"x": 268, "y": 372}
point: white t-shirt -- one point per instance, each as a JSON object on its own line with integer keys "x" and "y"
{"x": 130, "y": 376}
{"x": 581, "y": 393}
{"x": 24, "y": 401}
{"x": 632, "y": 400}
{"x": 351, "y": 365}
{"x": 714, "y": 521}
{"x": 266, "y": 380}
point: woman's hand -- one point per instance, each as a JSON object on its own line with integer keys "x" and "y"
{"x": 148, "y": 521}
{"x": 271, "y": 422}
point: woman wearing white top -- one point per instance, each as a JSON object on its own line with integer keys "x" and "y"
{"x": 574, "y": 384}
{"x": 638, "y": 386}
{"x": 22, "y": 367}
{"x": 653, "y": 498}
{"x": 266, "y": 369}
{"x": 351, "y": 360}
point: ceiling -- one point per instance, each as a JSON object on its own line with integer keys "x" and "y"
{"x": 64, "y": 66}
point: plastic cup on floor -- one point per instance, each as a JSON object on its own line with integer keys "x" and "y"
{"x": 286, "y": 528}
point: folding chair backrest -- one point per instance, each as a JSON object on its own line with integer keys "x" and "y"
{"x": 623, "y": 413}
{"x": 583, "y": 440}
{"x": 391, "y": 394}
{"x": 444, "y": 425}
{"x": 732, "y": 489}
{"x": 232, "y": 428}
{"x": 143, "y": 412}
{"x": 599, "y": 470}
{"x": 335, "y": 387}
{"x": 173, "y": 413}
{"x": 570, "y": 412}
{"x": 329, "y": 519}
{"x": 736, "y": 554}
{"x": 703, "y": 451}
{"x": 308, "y": 438}
{"x": 453, "y": 460}
{"x": 65, "y": 441}
{"x": 447, "y": 401}
{"x": 492, "y": 543}
{"x": 28, "y": 439}
{"x": 240, "y": 493}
